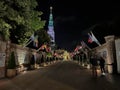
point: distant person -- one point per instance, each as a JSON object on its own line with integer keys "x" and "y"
{"x": 94, "y": 63}
{"x": 102, "y": 65}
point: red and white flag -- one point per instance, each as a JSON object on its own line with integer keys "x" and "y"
{"x": 92, "y": 38}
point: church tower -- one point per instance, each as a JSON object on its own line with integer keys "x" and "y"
{"x": 50, "y": 31}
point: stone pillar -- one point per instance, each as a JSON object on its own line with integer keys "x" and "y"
{"x": 110, "y": 56}
{"x": 7, "y": 55}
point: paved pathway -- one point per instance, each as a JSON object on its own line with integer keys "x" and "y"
{"x": 64, "y": 75}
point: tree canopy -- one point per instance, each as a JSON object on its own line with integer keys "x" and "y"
{"x": 43, "y": 37}
{"x": 19, "y": 19}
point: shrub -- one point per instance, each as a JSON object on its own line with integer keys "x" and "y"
{"x": 11, "y": 62}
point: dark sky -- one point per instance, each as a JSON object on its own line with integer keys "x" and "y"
{"x": 73, "y": 19}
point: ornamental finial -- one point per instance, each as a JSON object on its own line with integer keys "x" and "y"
{"x": 51, "y": 7}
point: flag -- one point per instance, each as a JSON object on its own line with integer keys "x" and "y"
{"x": 32, "y": 37}
{"x": 48, "y": 49}
{"x": 84, "y": 45}
{"x": 92, "y": 38}
{"x": 77, "y": 48}
{"x": 29, "y": 40}
{"x": 95, "y": 39}
{"x": 43, "y": 47}
{"x": 35, "y": 41}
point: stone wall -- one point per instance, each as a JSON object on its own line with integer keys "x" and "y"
{"x": 2, "y": 58}
{"x": 107, "y": 50}
{"x": 117, "y": 47}
{"x": 22, "y": 55}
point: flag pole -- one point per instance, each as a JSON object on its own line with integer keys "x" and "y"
{"x": 27, "y": 43}
{"x": 29, "y": 40}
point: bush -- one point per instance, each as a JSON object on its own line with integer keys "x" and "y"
{"x": 11, "y": 62}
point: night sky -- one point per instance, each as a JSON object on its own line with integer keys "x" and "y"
{"x": 73, "y": 20}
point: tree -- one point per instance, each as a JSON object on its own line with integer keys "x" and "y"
{"x": 4, "y": 27}
{"x": 19, "y": 19}
{"x": 43, "y": 37}
{"x": 11, "y": 66}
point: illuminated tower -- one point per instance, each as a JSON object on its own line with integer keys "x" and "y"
{"x": 50, "y": 31}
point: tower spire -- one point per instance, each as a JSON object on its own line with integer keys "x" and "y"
{"x": 50, "y": 31}
{"x": 51, "y": 9}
